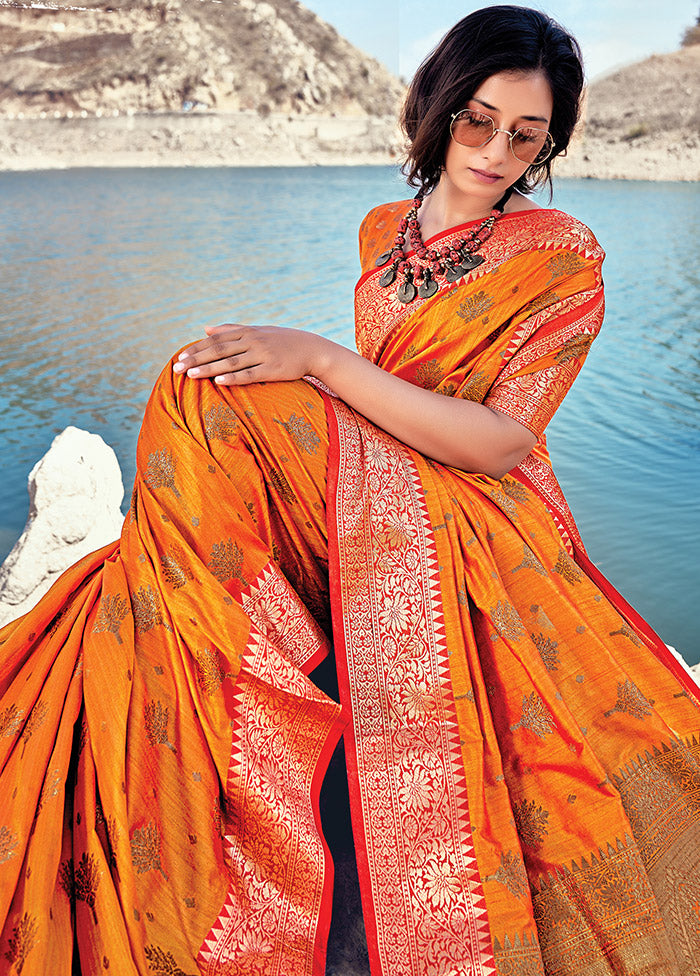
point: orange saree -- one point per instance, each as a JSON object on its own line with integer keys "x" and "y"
{"x": 522, "y": 749}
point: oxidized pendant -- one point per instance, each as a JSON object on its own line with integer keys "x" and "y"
{"x": 406, "y": 292}
{"x": 427, "y": 289}
{"x": 383, "y": 258}
{"x": 455, "y": 272}
{"x": 388, "y": 277}
{"x": 471, "y": 261}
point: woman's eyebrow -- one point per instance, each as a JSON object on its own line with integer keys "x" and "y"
{"x": 528, "y": 118}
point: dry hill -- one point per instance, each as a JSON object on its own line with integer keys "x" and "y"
{"x": 643, "y": 121}
{"x": 170, "y": 55}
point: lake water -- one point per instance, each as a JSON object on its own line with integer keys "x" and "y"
{"x": 103, "y": 274}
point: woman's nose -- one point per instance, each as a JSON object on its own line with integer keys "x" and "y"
{"x": 498, "y": 146}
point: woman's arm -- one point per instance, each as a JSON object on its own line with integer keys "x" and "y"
{"x": 461, "y": 433}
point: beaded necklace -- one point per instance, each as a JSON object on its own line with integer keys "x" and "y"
{"x": 452, "y": 262}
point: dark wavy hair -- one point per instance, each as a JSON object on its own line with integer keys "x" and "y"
{"x": 491, "y": 40}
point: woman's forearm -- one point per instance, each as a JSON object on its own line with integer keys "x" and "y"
{"x": 461, "y": 433}
{"x": 466, "y": 435}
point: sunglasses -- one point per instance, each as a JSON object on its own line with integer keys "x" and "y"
{"x": 474, "y": 129}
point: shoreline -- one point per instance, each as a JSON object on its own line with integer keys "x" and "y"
{"x": 245, "y": 139}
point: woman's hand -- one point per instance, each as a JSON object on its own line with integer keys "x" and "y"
{"x": 238, "y": 354}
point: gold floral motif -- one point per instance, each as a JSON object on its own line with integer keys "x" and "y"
{"x": 567, "y": 568}
{"x": 477, "y": 387}
{"x": 505, "y": 503}
{"x": 530, "y": 561}
{"x": 21, "y": 942}
{"x": 49, "y": 789}
{"x": 8, "y": 844}
{"x": 35, "y": 720}
{"x": 145, "y": 849}
{"x": 507, "y": 621}
{"x": 512, "y": 874}
{"x": 160, "y": 472}
{"x": 475, "y": 306}
{"x": 161, "y": 962}
{"x": 225, "y": 561}
{"x": 87, "y": 879}
{"x": 541, "y": 302}
{"x": 548, "y": 650}
{"x": 301, "y": 432}
{"x": 176, "y": 572}
{"x": 564, "y": 264}
{"x": 66, "y": 878}
{"x": 514, "y": 489}
{"x": 429, "y": 374}
{"x": 210, "y": 674}
{"x": 531, "y": 822}
{"x": 283, "y": 487}
{"x": 514, "y": 957}
{"x": 631, "y": 700}
{"x": 410, "y": 353}
{"x": 626, "y": 631}
{"x": 145, "y": 606}
{"x": 155, "y": 718}
{"x": 10, "y": 720}
{"x": 536, "y": 716}
{"x": 113, "y": 609}
{"x": 220, "y": 423}
{"x": 575, "y": 348}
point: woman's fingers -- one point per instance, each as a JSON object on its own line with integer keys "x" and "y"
{"x": 225, "y": 341}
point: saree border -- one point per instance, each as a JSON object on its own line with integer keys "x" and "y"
{"x": 284, "y": 732}
{"x": 421, "y": 892}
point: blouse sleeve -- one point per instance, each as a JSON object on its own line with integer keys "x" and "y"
{"x": 550, "y": 342}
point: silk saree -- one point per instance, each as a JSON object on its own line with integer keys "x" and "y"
{"x": 522, "y": 749}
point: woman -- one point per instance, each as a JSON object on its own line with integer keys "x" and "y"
{"x": 522, "y": 750}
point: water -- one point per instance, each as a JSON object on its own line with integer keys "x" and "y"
{"x": 105, "y": 273}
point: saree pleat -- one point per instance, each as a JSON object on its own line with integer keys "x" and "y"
{"x": 522, "y": 750}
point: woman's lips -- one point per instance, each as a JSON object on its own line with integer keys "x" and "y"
{"x": 485, "y": 177}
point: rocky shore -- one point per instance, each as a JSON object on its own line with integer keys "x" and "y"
{"x": 199, "y": 139}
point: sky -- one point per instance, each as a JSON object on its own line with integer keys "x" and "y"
{"x": 612, "y": 33}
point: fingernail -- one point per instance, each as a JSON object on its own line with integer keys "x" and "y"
{"x": 194, "y": 371}
{"x": 178, "y": 368}
{"x": 183, "y": 355}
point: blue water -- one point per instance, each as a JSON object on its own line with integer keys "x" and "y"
{"x": 104, "y": 273}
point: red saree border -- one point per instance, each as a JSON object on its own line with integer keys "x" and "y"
{"x": 422, "y": 896}
{"x": 277, "y": 911}
{"x": 625, "y": 609}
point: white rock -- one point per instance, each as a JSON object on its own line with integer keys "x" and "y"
{"x": 75, "y": 492}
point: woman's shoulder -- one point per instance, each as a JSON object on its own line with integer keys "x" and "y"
{"x": 378, "y": 229}
{"x": 552, "y": 228}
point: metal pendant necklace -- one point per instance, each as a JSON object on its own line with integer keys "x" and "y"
{"x": 419, "y": 278}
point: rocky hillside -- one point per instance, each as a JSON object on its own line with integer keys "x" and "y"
{"x": 135, "y": 56}
{"x": 643, "y": 121}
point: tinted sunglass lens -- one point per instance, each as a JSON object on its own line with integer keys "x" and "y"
{"x": 472, "y": 129}
{"x": 531, "y": 145}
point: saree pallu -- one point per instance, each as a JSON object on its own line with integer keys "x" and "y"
{"x": 522, "y": 750}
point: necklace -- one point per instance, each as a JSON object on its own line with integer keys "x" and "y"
{"x": 452, "y": 262}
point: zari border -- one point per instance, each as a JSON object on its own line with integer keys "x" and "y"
{"x": 277, "y": 911}
{"x": 422, "y": 897}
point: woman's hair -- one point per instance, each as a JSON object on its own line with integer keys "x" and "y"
{"x": 491, "y": 40}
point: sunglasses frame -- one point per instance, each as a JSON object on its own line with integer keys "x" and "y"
{"x": 537, "y": 161}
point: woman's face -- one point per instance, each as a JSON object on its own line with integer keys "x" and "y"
{"x": 511, "y": 99}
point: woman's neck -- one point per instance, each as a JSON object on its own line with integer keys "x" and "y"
{"x": 442, "y": 210}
